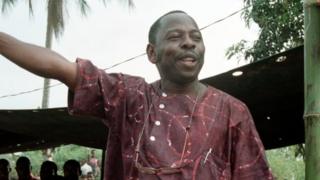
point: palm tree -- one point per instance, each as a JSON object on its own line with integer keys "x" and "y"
{"x": 55, "y": 26}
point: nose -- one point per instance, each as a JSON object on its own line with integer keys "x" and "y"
{"x": 188, "y": 43}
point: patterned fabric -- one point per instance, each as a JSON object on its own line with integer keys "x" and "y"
{"x": 223, "y": 143}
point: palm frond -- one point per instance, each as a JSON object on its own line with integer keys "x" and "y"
{"x": 30, "y": 7}
{"x": 56, "y": 17}
{"x": 6, "y": 4}
{"x": 131, "y": 4}
{"x": 84, "y": 7}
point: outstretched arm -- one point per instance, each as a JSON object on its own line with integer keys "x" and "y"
{"x": 38, "y": 60}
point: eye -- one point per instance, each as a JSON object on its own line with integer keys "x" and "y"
{"x": 196, "y": 37}
{"x": 174, "y": 36}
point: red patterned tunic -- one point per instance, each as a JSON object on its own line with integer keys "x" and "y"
{"x": 221, "y": 144}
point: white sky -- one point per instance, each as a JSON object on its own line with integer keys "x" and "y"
{"x": 112, "y": 34}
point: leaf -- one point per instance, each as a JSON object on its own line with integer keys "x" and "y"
{"x": 6, "y": 4}
{"x": 281, "y": 24}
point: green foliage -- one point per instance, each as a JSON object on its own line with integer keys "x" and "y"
{"x": 61, "y": 154}
{"x": 285, "y": 164}
{"x": 281, "y": 28}
{"x": 239, "y": 50}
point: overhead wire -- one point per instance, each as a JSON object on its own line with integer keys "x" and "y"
{"x": 27, "y": 92}
{"x": 224, "y": 18}
{"x": 124, "y": 61}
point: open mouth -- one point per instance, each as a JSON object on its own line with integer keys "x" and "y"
{"x": 188, "y": 61}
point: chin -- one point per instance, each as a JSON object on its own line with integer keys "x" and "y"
{"x": 188, "y": 79}
{"x": 190, "y": 76}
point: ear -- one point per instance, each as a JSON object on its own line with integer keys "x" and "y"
{"x": 151, "y": 52}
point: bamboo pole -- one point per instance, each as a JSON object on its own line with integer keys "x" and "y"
{"x": 312, "y": 88}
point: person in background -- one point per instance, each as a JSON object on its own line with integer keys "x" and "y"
{"x": 49, "y": 171}
{"x": 94, "y": 163}
{"x": 90, "y": 176}
{"x": 71, "y": 170}
{"x": 5, "y": 169}
{"x": 23, "y": 168}
{"x": 85, "y": 169}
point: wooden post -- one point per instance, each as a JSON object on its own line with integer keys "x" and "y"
{"x": 312, "y": 88}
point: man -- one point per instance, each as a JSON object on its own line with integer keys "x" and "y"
{"x": 94, "y": 162}
{"x": 23, "y": 168}
{"x": 175, "y": 128}
{"x": 85, "y": 168}
{"x": 49, "y": 171}
{"x": 71, "y": 170}
{"x": 5, "y": 169}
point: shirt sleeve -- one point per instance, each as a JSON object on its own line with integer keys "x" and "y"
{"x": 97, "y": 93}
{"x": 248, "y": 160}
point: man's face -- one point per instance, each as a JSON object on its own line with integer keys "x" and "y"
{"x": 179, "y": 49}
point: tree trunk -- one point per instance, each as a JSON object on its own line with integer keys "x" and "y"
{"x": 312, "y": 88}
{"x": 47, "y": 153}
{"x": 46, "y": 84}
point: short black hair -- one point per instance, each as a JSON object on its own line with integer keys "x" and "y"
{"x": 4, "y": 167}
{"x": 48, "y": 167}
{"x": 71, "y": 166}
{"x": 24, "y": 162}
{"x": 156, "y": 25}
{"x": 4, "y": 163}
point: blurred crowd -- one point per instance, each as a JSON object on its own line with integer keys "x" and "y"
{"x": 86, "y": 169}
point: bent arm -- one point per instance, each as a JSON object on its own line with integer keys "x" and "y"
{"x": 38, "y": 60}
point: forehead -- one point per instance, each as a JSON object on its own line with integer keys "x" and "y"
{"x": 177, "y": 21}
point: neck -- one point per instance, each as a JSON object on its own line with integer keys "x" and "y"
{"x": 192, "y": 88}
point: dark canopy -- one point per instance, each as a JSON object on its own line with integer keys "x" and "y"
{"x": 272, "y": 88}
